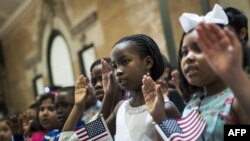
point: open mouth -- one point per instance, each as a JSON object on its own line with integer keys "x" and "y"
{"x": 190, "y": 71}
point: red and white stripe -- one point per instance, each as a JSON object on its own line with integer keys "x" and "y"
{"x": 192, "y": 127}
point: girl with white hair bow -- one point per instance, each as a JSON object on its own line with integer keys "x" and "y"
{"x": 199, "y": 77}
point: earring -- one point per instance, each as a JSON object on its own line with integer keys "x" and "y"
{"x": 148, "y": 73}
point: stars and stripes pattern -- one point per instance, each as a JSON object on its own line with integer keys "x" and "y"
{"x": 188, "y": 128}
{"x": 94, "y": 131}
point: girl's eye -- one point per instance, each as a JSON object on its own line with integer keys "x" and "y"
{"x": 93, "y": 81}
{"x": 125, "y": 62}
{"x": 52, "y": 108}
{"x": 184, "y": 52}
{"x": 114, "y": 66}
{"x": 196, "y": 49}
{"x": 41, "y": 109}
{"x": 96, "y": 79}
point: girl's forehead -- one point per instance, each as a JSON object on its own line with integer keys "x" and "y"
{"x": 188, "y": 39}
{"x": 97, "y": 67}
{"x": 123, "y": 48}
{"x": 47, "y": 101}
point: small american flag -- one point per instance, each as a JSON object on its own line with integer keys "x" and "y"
{"x": 188, "y": 128}
{"x": 94, "y": 131}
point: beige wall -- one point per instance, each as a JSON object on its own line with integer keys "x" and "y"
{"x": 25, "y": 45}
{"x": 28, "y": 40}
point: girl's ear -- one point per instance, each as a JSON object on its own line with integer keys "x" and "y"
{"x": 148, "y": 61}
{"x": 243, "y": 33}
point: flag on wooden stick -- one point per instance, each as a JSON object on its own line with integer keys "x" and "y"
{"x": 94, "y": 131}
{"x": 184, "y": 129}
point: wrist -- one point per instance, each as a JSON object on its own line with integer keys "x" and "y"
{"x": 79, "y": 105}
{"x": 234, "y": 75}
{"x": 160, "y": 118}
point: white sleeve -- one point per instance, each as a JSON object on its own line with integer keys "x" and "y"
{"x": 94, "y": 117}
{"x": 68, "y": 136}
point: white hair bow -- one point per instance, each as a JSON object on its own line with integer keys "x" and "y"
{"x": 217, "y": 15}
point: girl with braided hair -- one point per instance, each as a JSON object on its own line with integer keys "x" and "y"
{"x": 132, "y": 57}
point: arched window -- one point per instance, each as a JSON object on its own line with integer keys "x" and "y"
{"x": 59, "y": 61}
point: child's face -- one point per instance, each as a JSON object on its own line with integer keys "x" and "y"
{"x": 5, "y": 131}
{"x": 193, "y": 63}
{"x": 64, "y": 103}
{"x": 128, "y": 67}
{"x": 47, "y": 115}
{"x": 96, "y": 82}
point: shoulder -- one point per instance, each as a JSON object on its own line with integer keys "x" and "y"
{"x": 118, "y": 105}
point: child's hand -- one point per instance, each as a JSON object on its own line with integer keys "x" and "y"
{"x": 222, "y": 49}
{"x": 26, "y": 122}
{"x": 153, "y": 98}
{"x": 16, "y": 124}
{"x": 107, "y": 78}
{"x": 81, "y": 91}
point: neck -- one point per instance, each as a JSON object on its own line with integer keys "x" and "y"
{"x": 137, "y": 99}
{"x": 215, "y": 87}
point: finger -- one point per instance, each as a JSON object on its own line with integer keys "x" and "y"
{"x": 202, "y": 39}
{"x": 211, "y": 32}
{"x": 78, "y": 83}
{"x": 202, "y": 44}
{"x": 150, "y": 83}
{"x": 111, "y": 78}
{"x": 147, "y": 96}
{"x": 201, "y": 30}
{"x": 175, "y": 73}
{"x": 233, "y": 38}
{"x": 159, "y": 93}
{"x": 105, "y": 66}
{"x": 143, "y": 91}
{"x": 145, "y": 85}
{"x": 217, "y": 31}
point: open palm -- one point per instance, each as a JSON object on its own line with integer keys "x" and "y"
{"x": 107, "y": 78}
{"x": 153, "y": 97}
{"x": 221, "y": 48}
{"x": 81, "y": 91}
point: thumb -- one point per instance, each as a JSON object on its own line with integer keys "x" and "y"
{"x": 159, "y": 93}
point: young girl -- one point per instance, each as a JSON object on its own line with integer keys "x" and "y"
{"x": 5, "y": 130}
{"x": 47, "y": 116}
{"x": 216, "y": 103}
{"x": 96, "y": 78}
{"x": 97, "y": 84}
{"x": 46, "y": 121}
{"x": 132, "y": 57}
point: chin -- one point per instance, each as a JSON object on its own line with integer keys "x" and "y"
{"x": 195, "y": 83}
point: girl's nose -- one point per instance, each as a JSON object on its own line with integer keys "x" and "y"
{"x": 45, "y": 112}
{"x": 119, "y": 71}
{"x": 190, "y": 57}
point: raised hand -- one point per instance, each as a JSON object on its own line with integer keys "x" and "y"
{"x": 81, "y": 94}
{"x": 16, "y": 124}
{"x": 26, "y": 122}
{"x": 153, "y": 98}
{"x": 175, "y": 81}
{"x": 222, "y": 49}
{"x": 107, "y": 78}
{"x": 81, "y": 91}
